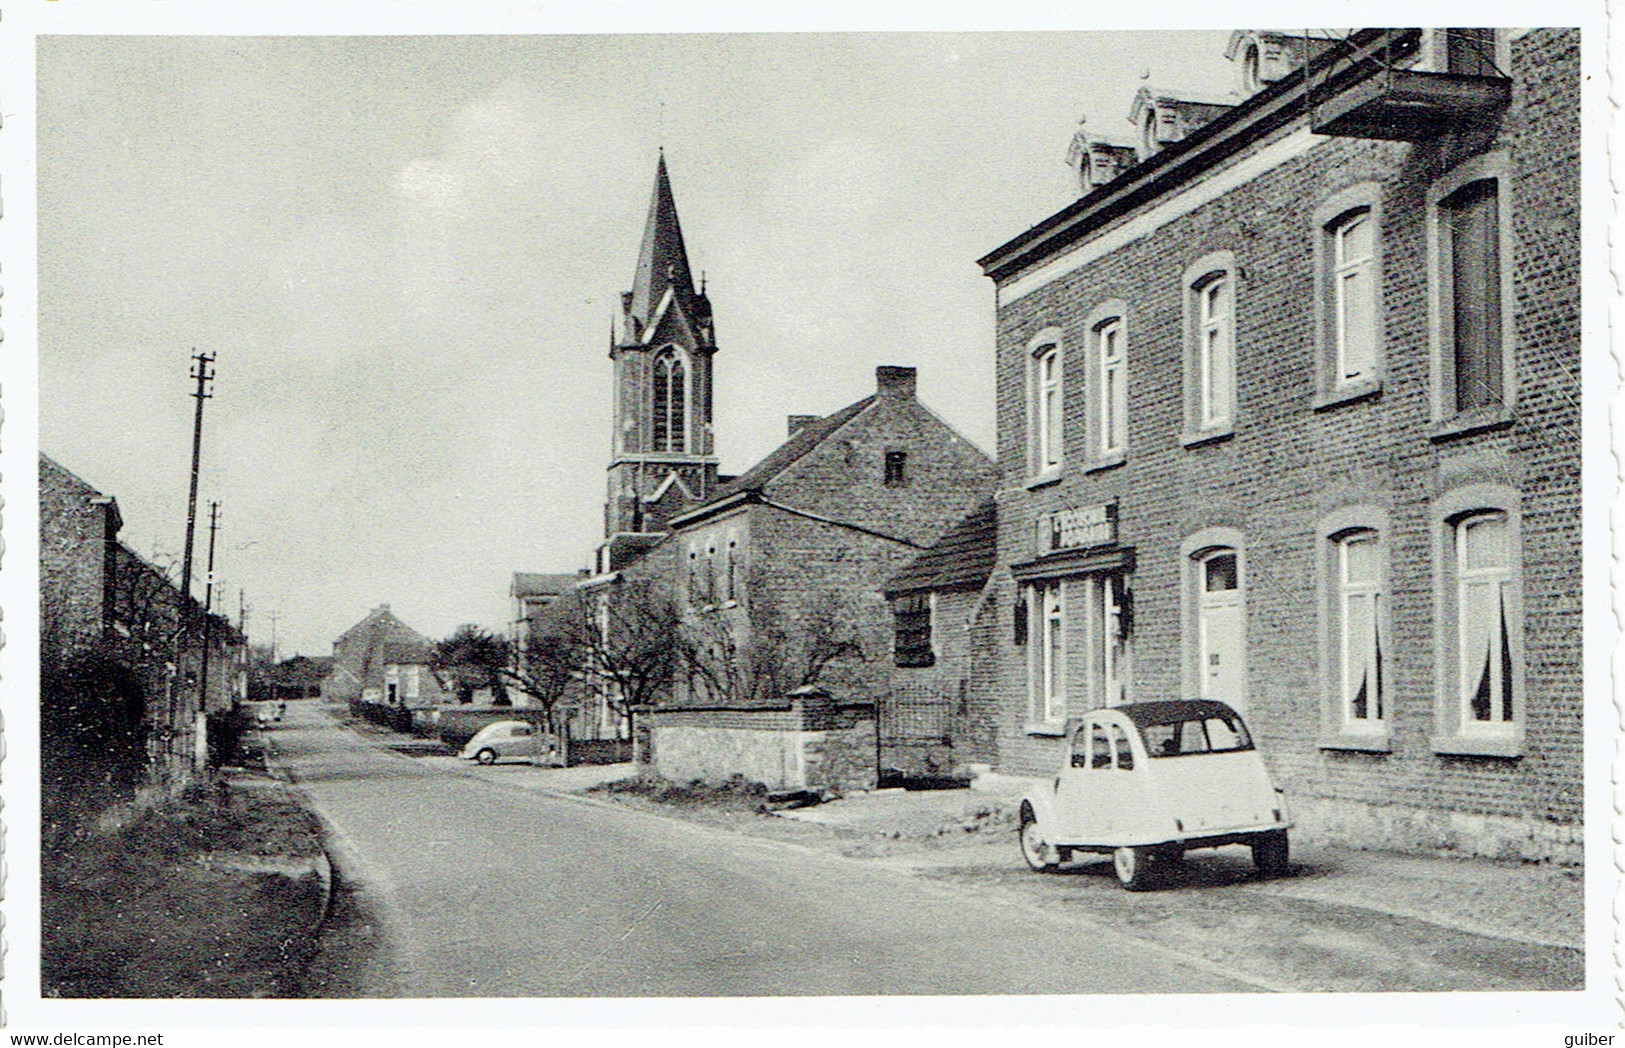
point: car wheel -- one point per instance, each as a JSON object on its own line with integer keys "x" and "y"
{"x": 1270, "y": 853}
{"x": 1039, "y": 853}
{"x": 1136, "y": 868}
{"x": 486, "y": 756}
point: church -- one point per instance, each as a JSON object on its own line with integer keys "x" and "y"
{"x": 775, "y": 575}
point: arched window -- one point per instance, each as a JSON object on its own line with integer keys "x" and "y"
{"x": 670, "y": 402}
{"x": 1045, "y": 441}
{"x": 1479, "y": 604}
{"x": 1210, "y": 347}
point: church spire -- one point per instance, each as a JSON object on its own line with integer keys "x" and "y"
{"x": 663, "y": 258}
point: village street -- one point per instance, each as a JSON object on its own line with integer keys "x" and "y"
{"x": 479, "y": 889}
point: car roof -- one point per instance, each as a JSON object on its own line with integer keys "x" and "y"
{"x": 1144, "y": 714}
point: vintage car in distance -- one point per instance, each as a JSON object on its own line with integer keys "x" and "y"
{"x": 508, "y": 739}
{"x": 1147, "y": 782}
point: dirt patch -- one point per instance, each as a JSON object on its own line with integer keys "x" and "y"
{"x": 132, "y": 906}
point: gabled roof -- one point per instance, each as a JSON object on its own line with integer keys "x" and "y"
{"x": 541, "y": 584}
{"x": 787, "y": 454}
{"x": 663, "y": 258}
{"x": 406, "y": 653}
{"x": 962, "y": 558}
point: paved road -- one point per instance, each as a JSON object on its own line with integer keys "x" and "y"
{"x": 486, "y": 891}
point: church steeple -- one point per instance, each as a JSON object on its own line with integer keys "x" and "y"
{"x": 663, "y": 460}
{"x": 663, "y": 258}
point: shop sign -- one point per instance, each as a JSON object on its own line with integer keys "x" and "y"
{"x": 1078, "y": 528}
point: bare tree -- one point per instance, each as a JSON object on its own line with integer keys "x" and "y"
{"x": 626, "y": 634}
{"x": 545, "y": 667}
{"x": 761, "y": 655}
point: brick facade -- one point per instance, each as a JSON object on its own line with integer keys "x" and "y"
{"x": 1294, "y": 459}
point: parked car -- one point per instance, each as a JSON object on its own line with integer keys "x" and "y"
{"x": 509, "y": 739}
{"x": 1147, "y": 782}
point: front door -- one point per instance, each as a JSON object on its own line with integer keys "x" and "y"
{"x": 1222, "y": 670}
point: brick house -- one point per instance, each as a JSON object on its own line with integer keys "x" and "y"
{"x": 122, "y": 694}
{"x": 778, "y": 578}
{"x": 1289, "y": 416}
{"x": 382, "y": 662}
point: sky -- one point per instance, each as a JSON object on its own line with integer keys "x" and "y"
{"x": 406, "y": 253}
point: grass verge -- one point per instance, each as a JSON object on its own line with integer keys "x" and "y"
{"x": 210, "y": 895}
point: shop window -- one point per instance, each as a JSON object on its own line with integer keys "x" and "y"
{"x": 1210, "y": 351}
{"x": 1047, "y": 658}
{"x": 1480, "y": 640}
{"x": 912, "y": 614}
{"x": 1470, "y": 322}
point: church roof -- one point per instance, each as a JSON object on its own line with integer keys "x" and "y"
{"x": 663, "y": 258}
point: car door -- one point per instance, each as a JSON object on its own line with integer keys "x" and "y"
{"x": 1085, "y": 783}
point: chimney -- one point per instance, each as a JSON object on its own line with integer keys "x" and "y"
{"x": 798, "y": 421}
{"x": 893, "y": 381}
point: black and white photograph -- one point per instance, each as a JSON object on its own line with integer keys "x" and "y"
{"x": 663, "y": 517}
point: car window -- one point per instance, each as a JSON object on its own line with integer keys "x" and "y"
{"x": 1100, "y": 747}
{"x": 523, "y": 729}
{"x": 1080, "y": 747}
{"x": 1125, "y": 753}
{"x": 1218, "y": 734}
{"x": 1223, "y": 733}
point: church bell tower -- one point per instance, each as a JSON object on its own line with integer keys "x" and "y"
{"x": 662, "y": 461}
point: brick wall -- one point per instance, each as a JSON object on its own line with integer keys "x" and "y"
{"x": 1288, "y": 465}
{"x": 74, "y": 544}
{"x": 925, "y": 727}
{"x": 844, "y": 477}
{"x": 813, "y": 742}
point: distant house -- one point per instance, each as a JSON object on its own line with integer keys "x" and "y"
{"x": 381, "y": 661}
{"x": 532, "y": 593}
{"x": 300, "y": 677}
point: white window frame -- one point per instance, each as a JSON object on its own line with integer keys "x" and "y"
{"x": 1448, "y": 420}
{"x": 1211, "y": 313}
{"x": 1497, "y": 579}
{"x": 1046, "y": 406}
{"x": 1456, "y": 731}
{"x": 1047, "y": 676}
{"x": 1360, "y": 202}
{"x": 1349, "y": 594}
{"x": 1340, "y": 730}
{"x": 1109, "y": 337}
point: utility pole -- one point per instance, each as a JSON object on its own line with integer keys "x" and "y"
{"x": 274, "y": 616}
{"x": 175, "y": 734}
{"x": 204, "y": 374}
{"x": 208, "y": 602}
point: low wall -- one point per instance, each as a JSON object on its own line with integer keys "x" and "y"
{"x": 598, "y": 751}
{"x": 812, "y": 743}
{"x": 455, "y": 725}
